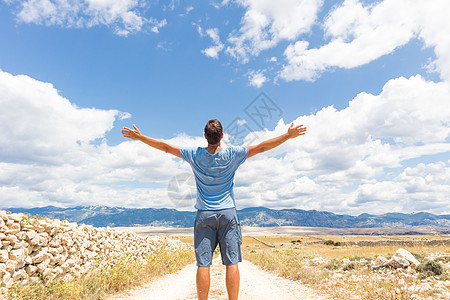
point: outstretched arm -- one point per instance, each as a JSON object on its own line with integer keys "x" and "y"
{"x": 158, "y": 144}
{"x": 291, "y": 133}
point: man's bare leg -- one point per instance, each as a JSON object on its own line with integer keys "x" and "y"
{"x": 203, "y": 283}
{"x": 232, "y": 278}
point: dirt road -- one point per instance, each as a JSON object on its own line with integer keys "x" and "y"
{"x": 255, "y": 284}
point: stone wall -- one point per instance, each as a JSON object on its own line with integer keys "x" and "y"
{"x": 404, "y": 243}
{"x": 38, "y": 248}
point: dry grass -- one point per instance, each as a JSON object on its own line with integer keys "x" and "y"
{"x": 123, "y": 273}
{"x": 291, "y": 258}
{"x": 313, "y": 250}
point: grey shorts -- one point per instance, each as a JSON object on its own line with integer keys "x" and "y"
{"x": 214, "y": 227}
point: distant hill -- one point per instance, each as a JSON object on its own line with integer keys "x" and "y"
{"x": 102, "y": 216}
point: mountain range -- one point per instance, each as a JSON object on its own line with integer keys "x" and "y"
{"x": 102, "y": 216}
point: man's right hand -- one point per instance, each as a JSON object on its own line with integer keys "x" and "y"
{"x": 296, "y": 131}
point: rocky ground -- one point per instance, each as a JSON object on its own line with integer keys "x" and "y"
{"x": 401, "y": 276}
{"x": 34, "y": 249}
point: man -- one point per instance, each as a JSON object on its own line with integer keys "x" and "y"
{"x": 216, "y": 222}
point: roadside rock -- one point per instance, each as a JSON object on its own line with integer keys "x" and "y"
{"x": 318, "y": 260}
{"x": 397, "y": 262}
{"x": 401, "y": 259}
{"x": 379, "y": 262}
{"x": 405, "y": 254}
{"x": 4, "y": 256}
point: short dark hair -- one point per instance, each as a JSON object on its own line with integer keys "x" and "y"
{"x": 213, "y": 131}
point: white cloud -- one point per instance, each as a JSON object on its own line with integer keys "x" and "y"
{"x": 355, "y": 33}
{"x": 241, "y": 122}
{"x": 420, "y": 188}
{"x": 48, "y": 156}
{"x": 123, "y": 16}
{"x": 187, "y": 11}
{"x": 257, "y": 78}
{"x": 212, "y": 51}
{"x": 266, "y": 23}
{"x": 157, "y": 25}
{"x": 360, "y": 34}
{"x": 36, "y": 121}
{"x": 340, "y": 165}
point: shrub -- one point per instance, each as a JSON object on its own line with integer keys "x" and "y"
{"x": 430, "y": 268}
{"x": 444, "y": 259}
{"x": 334, "y": 264}
{"x": 331, "y": 243}
{"x": 419, "y": 257}
{"x": 350, "y": 266}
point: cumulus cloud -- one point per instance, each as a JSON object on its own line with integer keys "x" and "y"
{"x": 123, "y": 16}
{"x": 187, "y": 11}
{"x": 340, "y": 164}
{"x": 266, "y": 23}
{"x": 257, "y": 78}
{"x": 212, "y": 51}
{"x": 38, "y": 123}
{"x": 419, "y": 188}
{"x": 355, "y": 33}
{"x": 54, "y": 152}
{"x": 360, "y": 34}
{"x": 156, "y": 25}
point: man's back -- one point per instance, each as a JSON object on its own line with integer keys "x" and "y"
{"x": 214, "y": 175}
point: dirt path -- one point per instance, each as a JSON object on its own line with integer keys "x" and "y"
{"x": 255, "y": 284}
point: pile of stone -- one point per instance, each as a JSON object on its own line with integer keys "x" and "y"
{"x": 35, "y": 249}
{"x": 401, "y": 259}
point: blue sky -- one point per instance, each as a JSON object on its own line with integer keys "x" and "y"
{"x": 371, "y": 85}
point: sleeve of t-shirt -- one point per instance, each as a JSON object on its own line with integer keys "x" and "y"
{"x": 187, "y": 153}
{"x": 240, "y": 154}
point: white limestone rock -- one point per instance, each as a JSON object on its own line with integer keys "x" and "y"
{"x": 379, "y": 262}
{"x": 3, "y": 215}
{"x": 30, "y": 234}
{"x": 20, "y": 274}
{"x": 19, "y": 256}
{"x": 38, "y": 240}
{"x": 43, "y": 265}
{"x": 40, "y": 256}
{"x": 13, "y": 228}
{"x": 16, "y": 217}
{"x": 12, "y": 239}
{"x": 4, "y": 255}
{"x": 2, "y": 269}
{"x": 405, "y": 254}
{"x": 318, "y": 260}
{"x": 31, "y": 269}
{"x": 7, "y": 281}
{"x": 397, "y": 262}
{"x": 11, "y": 266}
